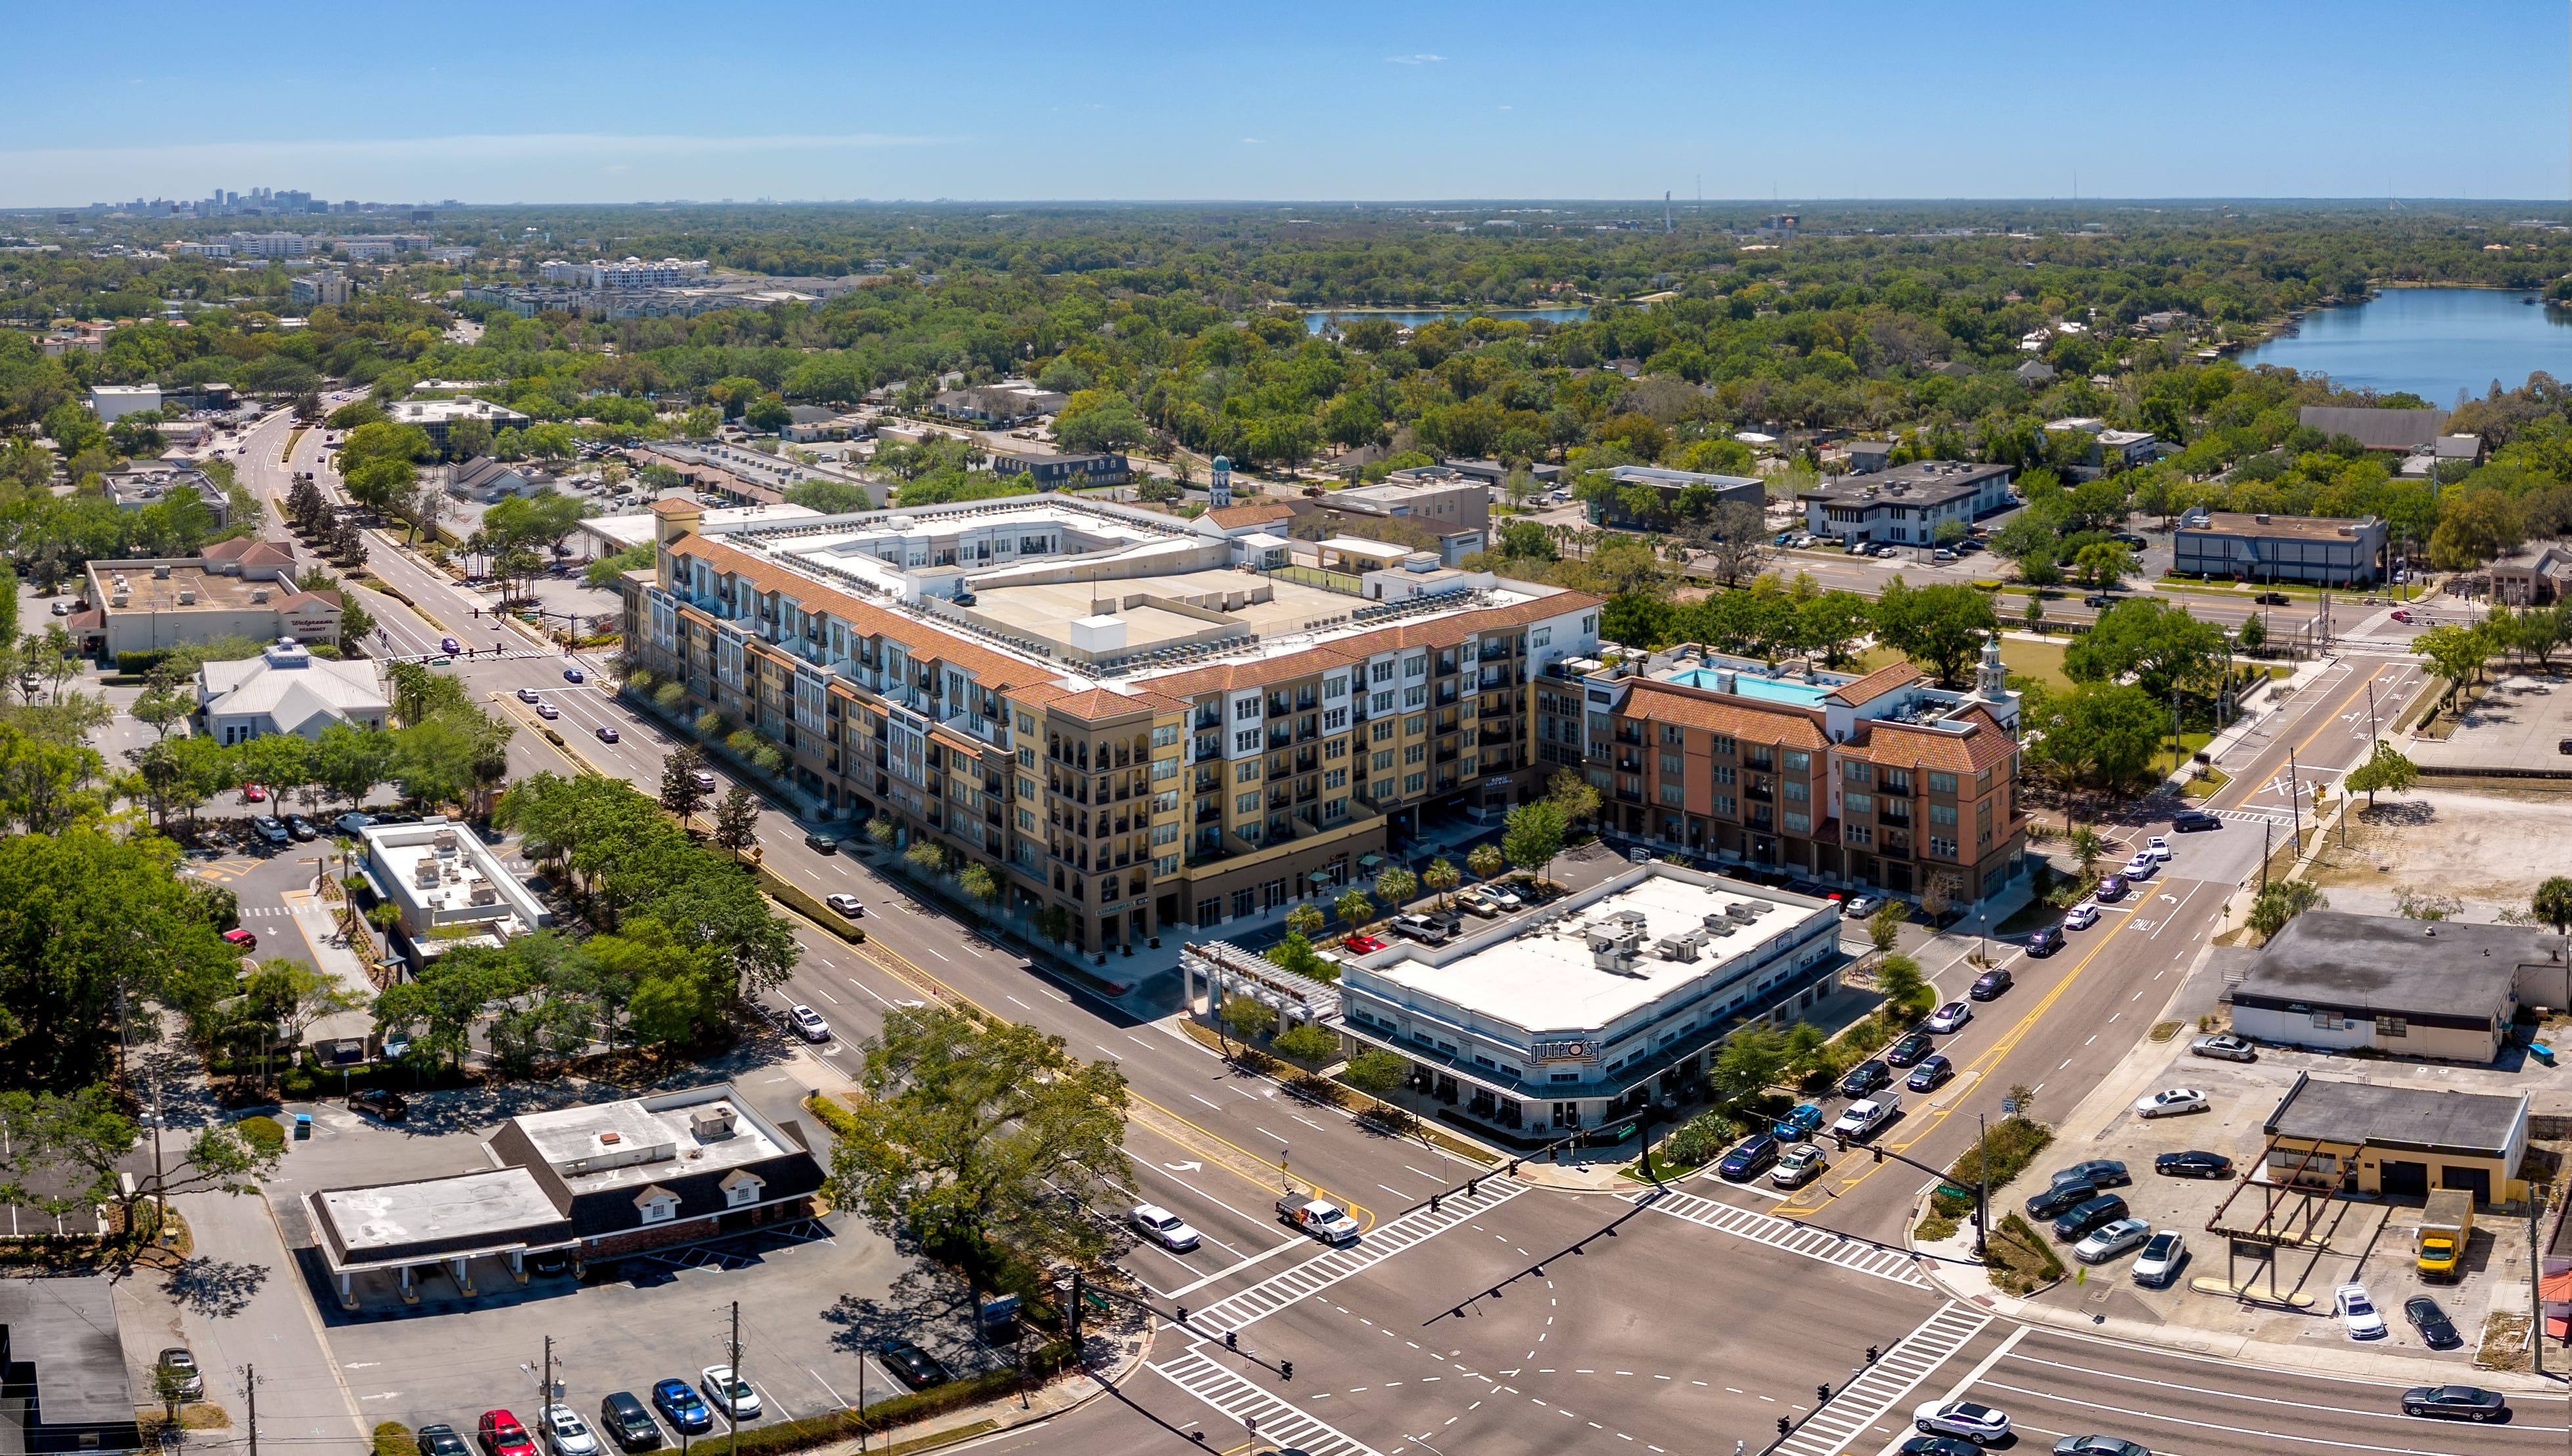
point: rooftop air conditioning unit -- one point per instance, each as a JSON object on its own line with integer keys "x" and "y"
{"x": 1743, "y": 911}
{"x": 160, "y": 572}
{"x": 259, "y": 594}
{"x": 187, "y": 596}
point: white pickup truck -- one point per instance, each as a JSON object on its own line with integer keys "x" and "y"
{"x": 1319, "y": 1217}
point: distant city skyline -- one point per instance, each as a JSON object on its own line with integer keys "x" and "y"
{"x": 1163, "y": 102}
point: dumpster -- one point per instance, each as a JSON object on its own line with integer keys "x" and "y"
{"x": 302, "y": 1125}
{"x": 2541, "y": 1053}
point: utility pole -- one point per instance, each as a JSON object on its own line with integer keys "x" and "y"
{"x": 1982, "y": 1196}
{"x": 2267, "y": 846}
{"x": 732, "y": 1397}
{"x": 250, "y": 1383}
{"x": 2296, "y": 799}
{"x": 545, "y": 1380}
{"x": 2535, "y": 1277}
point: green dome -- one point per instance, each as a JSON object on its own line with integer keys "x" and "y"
{"x": 1221, "y": 463}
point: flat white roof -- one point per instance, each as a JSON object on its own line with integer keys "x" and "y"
{"x": 1372, "y": 550}
{"x": 1545, "y": 979}
{"x": 636, "y": 528}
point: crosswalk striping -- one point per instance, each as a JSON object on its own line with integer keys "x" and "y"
{"x": 2254, "y": 816}
{"x": 1278, "y": 1420}
{"x": 1796, "y": 1238}
{"x": 1880, "y": 1386}
{"x": 1241, "y": 1311}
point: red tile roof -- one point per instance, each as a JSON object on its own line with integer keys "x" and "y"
{"x": 1876, "y": 684}
{"x": 1713, "y": 712}
{"x": 1984, "y": 745}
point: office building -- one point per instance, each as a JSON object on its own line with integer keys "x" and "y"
{"x": 1670, "y": 485}
{"x": 236, "y": 588}
{"x": 1064, "y": 472}
{"x": 319, "y": 288}
{"x": 66, "y": 1392}
{"x": 2312, "y": 550}
{"x": 1905, "y": 504}
{"x": 110, "y": 403}
{"x": 435, "y": 417}
{"x": 2444, "y": 990}
{"x": 1133, "y": 719}
{"x": 449, "y": 889}
{"x": 285, "y": 689}
{"x": 2362, "y": 1138}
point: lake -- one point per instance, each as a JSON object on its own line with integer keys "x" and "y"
{"x": 1413, "y": 318}
{"x": 2430, "y": 342}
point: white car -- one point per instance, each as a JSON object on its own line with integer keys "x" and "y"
{"x": 2158, "y": 1264}
{"x": 1979, "y": 1424}
{"x": 2358, "y": 1312}
{"x": 2159, "y": 847}
{"x": 565, "y": 1433}
{"x": 1951, "y": 1017}
{"x": 2141, "y": 867}
{"x": 2081, "y": 917}
{"x": 1501, "y": 895}
{"x": 1473, "y": 902}
{"x": 2224, "y": 1047}
{"x": 2110, "y": 1240}
{"x": 1865, "y": 1115}
{"x": 2169, "y": 1102}
{"x": 730, "y": 1393}
{"x": 1163, "y": 1227}
{"x": 808, "y": 1024}
{"x": 845, "y": 904}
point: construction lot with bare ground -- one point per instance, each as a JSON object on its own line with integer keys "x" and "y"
{"x": 2486, "y": 850}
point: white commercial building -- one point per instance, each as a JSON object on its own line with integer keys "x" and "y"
{"x": 633, "y": 272}
{"x": 442, "y": 878}
{"x": 1606, "y": 1001}
{"x": 115, "y": 402}
{"x": 287, "y": 689}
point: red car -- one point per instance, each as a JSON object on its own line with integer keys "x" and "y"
{"x": 502, "y": 1435}
{"x": 1362, "y": 944}
{"x": 2401, "y": 616}
{"x": 254, "y": 794}
{"x": 240, "y": 940}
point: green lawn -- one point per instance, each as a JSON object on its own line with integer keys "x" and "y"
{"x": 2027, "y": 661}
{"x": 2165, "y": 762}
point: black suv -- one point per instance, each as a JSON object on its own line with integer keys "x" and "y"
{"x": 916, "y": 1367}
{"x": 1909, "y": 1049}
{"x": 2194, "y": 821}
{"x": 1989, "y": 986}
{"x": 2043, "y": 942}
{"x": 2105, "y": 1208}
{"x": 2099, "y": 1172}
{"x": 1865, "y": 1077}
{"x": 2060, "y": 1199}
{"x": 625, "y": 1421}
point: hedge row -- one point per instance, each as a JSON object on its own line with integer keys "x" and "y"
{"x": 810, "y": 908}
{"x": 902, "y": 1410}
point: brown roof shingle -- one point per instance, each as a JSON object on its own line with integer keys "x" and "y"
{"x": 1712, "y": 712}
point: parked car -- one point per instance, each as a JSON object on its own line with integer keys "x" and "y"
{"x": 1989, "y": 986}
{"x": 2224, "y": 1047}
{"x": 1930, "y": 1074}
{"x": 383, "y": 1101}
{"x": 254, "y": 793}
{"x": 1501, "y": 895}
{"x": 567, "y": 1434}
{"x": 351, "y": 822}
{"x": 1163, "y": 1227}
{"x": 678, "y": 1403}
{"x": 439, "y": 1440}
{"x": 271, "y": 832}
{"x": 302, "y": 828}
{"x": 1797, "y": 1165}
{"x": 2193, "y": 1164}
{"x": 2358, "y": 1312}
{"x": 1859, "y": 907}
{"x": 1909, "y": 1051}
{"x": 911, "y": 1364}
{"x": 500, "y": 1434}
{"x": 240, "y": 940}
{"x": 1473, "y": 902}
{"x": 2171, "y": 1102}
{"x": 2043, "y": 942}
{"x": 2081, "y": 917}
{"x": 627, "y": 1423}
{"x": 1802, "y": 1122}
{"x": 2060, "y": 1199}
{"x": 821, "y": 843}
{"x": 189, "y": 1380}
{"x": 1950, "y": 1017}
{"x": 2110, "y": 1240}
{"x": 2098, "y": 1172}
{"x": 607, "y": 733}
{"x": 845, "y": 904}
{"x": 1420, "y": 927}
{"x": 2159, "y": 1261}
{"x": 2087, "y": 1215}
{"x": 1362, "y": 944}
{"x": 808, "y": 1024}
{"x": 2456, "y": 1402}
{"x": 729, "y": 1392}
{"x": 2110, "y": 891}
{"x": 1862, "y": 1119}
{"x": 2436, "y": 1330}
{"x": 2194, "y": 821}
{"x": 1748, "y": 1159}
{"x": 1865, "y": 1077}
{"x": 1979, "y": 1424}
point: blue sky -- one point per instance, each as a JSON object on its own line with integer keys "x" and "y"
{"x": 1810, "y": 99}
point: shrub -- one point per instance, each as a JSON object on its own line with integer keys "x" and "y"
{"x": 1307, "y": 1043}
{"x": 392, "y": 1438}
{"x": 139, "y": 663}
{"x": 1700, "y": 1139}
{"x": 263, "y": 1133}
{"x": 1935, "y": 1228}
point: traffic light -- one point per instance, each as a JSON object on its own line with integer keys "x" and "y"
{"x": 1840, "y": 1141}
{"x": 477, "y": 611}
{"x": 1433, "y": 1202}
{"x": 1231, "y": 1340}
{"x": 1879, "y": 1153}
{"x": 1183, "y": 1314}
{"x": 1871, "y": 1355}
{"x": 1285, "y": 1369}
{"x": 1821, "y": 1395}
{"x": 1785, "y": 1427}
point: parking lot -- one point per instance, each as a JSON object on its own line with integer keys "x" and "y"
{"x": 2361, "y": 1240}
{"x": 812, "y": 1297}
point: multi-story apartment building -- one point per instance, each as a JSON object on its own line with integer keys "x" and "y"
{"x": 1877, "y": 780}
{"x": 1130, "y": 718}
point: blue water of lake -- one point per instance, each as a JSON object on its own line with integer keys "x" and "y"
{"x": 1413, "y": 318}
{"x": 2430, "y": 342}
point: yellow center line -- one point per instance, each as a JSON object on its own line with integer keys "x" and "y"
{"x": 1989, "y": 1056}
